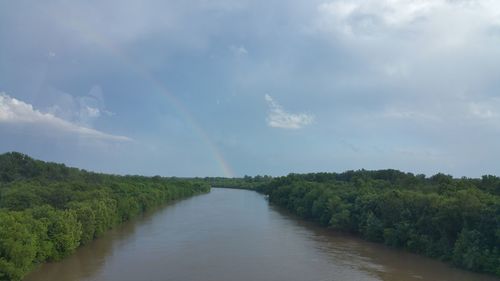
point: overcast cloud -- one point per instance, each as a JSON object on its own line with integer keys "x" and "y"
{"x": 347, "y": 84}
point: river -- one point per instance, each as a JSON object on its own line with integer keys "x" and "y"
{"x": 229, "y": 235}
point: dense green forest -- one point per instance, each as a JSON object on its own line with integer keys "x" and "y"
{"x": 456, "y": 220}
{"x": 246, "y": 182}
{"x": 47, "y": 210}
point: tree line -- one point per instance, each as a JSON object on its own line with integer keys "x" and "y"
{"x": 246, "y": 182}
{"x": 47, "y": 210}
{"x": 455, "y": 220}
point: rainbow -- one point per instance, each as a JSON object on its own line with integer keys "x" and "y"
{"x": 190, "y": 119}
{"x": 180, "y": 108}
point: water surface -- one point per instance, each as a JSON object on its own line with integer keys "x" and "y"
{"x": 229, "y": 235}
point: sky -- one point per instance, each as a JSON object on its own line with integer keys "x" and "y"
{"x": 247, "y": 87}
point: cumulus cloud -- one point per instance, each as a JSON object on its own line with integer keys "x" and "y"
{"x": 279, "y": 118}
{"x": 14, "y": 111}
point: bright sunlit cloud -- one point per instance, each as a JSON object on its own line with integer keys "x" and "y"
{"x": 279, "y": 118}
{"x": 372, "y": 18}
{"x": 14, "y": 111}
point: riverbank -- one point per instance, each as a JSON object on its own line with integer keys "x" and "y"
{"x": 453, "y": 220}
{"x": 228, "y": 235}
{"x": 48, "y": 210}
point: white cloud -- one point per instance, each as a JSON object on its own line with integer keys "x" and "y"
{"x": 238, "y": 51}
{"x": 422, "y": 53}
{"x": 375, "y": 17}
{"x": 13, "y": 111}
{"x": 92, "y": 111}
{"x": 83, "y": 110}
{"x": 279, "y": 118}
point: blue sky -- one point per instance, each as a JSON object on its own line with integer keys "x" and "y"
{"x": 228, "y": 88}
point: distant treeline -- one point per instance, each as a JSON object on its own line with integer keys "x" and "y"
{"x": 246, "y": 182}
{"x": 47, "y": 210}
{"x": 455, "y": 220}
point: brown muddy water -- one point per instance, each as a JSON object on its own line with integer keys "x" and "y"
{"x": 230, "y": 235}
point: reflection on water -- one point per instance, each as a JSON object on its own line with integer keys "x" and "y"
{"x": 236, "y": 235}
{"x": 381, "y": 261}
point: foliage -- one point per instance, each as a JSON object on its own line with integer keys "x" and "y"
{"x": 47, "y": 210}
{"x": 246, "y": 182}
{"x": 456, "y": 220}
